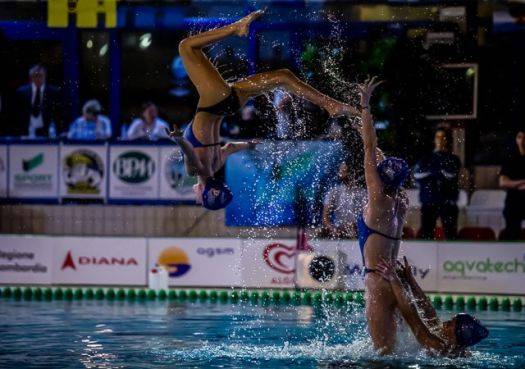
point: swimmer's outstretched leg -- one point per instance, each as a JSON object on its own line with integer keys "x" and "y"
{"x": 209, "y": 83}
{"x": 261, "y": 83}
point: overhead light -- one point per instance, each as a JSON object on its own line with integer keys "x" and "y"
{"x": 89, "y": 44}
{"x": 103, "y": 50}
{"x": 145, "y": 41}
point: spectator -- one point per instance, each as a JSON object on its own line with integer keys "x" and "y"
{"x": 437, "y": 175}
{"x": 36, "y": 105}
{"x": 342, "y": 206}
{"x": 512, "y": 178}
{"x": 149, "y": 126}
{"x": 91, "y": 125}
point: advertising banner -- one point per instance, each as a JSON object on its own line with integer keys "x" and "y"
{"x": 423, "y": 257}
{"x": 175, "y": 184}
{"x": 83, "y": 171}
{"x": 213, "y": 262}
{"x": 133, "y": 172}
{"x": 482, "y": 267}
{"x": 33, "y": 171}
{"x": 26, "y": 260}
{"x": 354, "y": 267}
{"x": 100, "y": 261}
{"x": 268, "y": 263}
{"x": 3, "y": 170}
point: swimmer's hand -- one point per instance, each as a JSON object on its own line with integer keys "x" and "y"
{"x": 387, "y": 270}
{"x": 366, "y": 89}
{"x": 175, "y": 135}
{"x": 404, "y": 270}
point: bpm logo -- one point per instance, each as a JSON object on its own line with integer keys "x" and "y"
{"x": 134, "y": 167}
{"x": 70, "y": 262}
{"x": 175, "y": 261}
{"x": 30, "y": 164}
{"x": 280, "y": 257}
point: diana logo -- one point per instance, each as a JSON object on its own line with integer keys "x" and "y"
{"x": 134, "y": 167}
{"x": 72, "y": 263}
{"x": 175, "y": 261}
{"x": 280, "y": 257}
{"x": 83, "y": 172}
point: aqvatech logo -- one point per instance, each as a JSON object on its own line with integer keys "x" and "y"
{"x": 175, "y": 261}
{"x": 134, "y": 167}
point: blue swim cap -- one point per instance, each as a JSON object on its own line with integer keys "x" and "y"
{"x": 469, "y": 330}
{"x": 216, "y": 195}
{"x": 393, "y": 172}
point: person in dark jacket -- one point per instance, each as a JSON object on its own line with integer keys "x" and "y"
{"x": 437, "y": 175}
{"x": 37, "y": 105}
{"x": 512, "y": 178}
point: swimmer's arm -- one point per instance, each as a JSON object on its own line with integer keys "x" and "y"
{"x": 409, "y": 311}
{"x": 233, "y": 147}
{"x": 373, "y": 182}
{"x": 191, "y": 159}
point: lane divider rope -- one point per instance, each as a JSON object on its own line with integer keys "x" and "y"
{"x": 284, "y": 297}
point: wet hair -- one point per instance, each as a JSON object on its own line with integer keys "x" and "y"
{"x": 92, "y": 107}
{"x": 37, "y": 68}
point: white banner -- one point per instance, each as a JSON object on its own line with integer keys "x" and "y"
{"x": 207, "y": 262}
{"x": 268, "y": 263}
{"x": 175, "y": 184}
{"x": 354, "y": 268}
{"x": 423, "y": 257}
{"x": 83, "y": 171}
{"x": 100, "y": 261}
{"x": 26, "y": 260}
{"x": 3, "y": 170}
{"x": 134, "y": 172}
{"x": 33, "y": 171}
{"x": 479, "y": 267}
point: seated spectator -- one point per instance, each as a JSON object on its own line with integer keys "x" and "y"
{"x": 512, "y": 178}
{"x": 437, "y": 175}
{"x": 91, "y": 125}
{"x": 149, "y": 126}
{"x": 342, "y": 206}
{"x": 36, "y": 105}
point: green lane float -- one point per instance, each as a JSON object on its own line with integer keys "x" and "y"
{"x": 265, "y": 297}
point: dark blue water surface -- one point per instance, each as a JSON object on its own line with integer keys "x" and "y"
{"x": 101, "y": 334}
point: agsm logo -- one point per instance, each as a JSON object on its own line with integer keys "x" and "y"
{"x": 134, "y": 167}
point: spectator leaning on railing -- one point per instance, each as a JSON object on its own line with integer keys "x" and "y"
{"x": 36, "y": 105}
{"x": 149, "y": 126}
{"x": 437, "y": 175}
{"x": 512, "y": 178}
{"x": 91, "y": 125}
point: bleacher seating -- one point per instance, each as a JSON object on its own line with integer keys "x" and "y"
{"x": 477, "y": 234}
{"x": 485, "y": 209}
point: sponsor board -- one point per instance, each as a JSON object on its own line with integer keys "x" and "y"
{"x": 268, "y": 263}
{"x": 133, "y": 172}
{"x": 33, "y": 171}
{"x": 175, "y": 184}
{"x": 354, "y": 262}
{"x": 83, "y": 171}
{"x": 481, "y": 267}
{"x": 3, "y": 170}
{"x": 423, "y": 257}
{"x": 212, "y": 262}
{"x": 26, "y": 260}
{"x": 100, "y": 261}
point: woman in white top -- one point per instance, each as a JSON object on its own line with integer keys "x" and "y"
{"x": 149, "y": 126}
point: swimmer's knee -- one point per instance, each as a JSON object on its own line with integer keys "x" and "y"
{"x": 185, "y": 47}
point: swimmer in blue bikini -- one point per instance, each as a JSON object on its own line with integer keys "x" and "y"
{"x": 203, "y": 154}
{"x": 387, "y": 288}
{"x": 380, "y": 226}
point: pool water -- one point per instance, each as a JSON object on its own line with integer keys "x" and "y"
{"x": 102, "y": 334}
